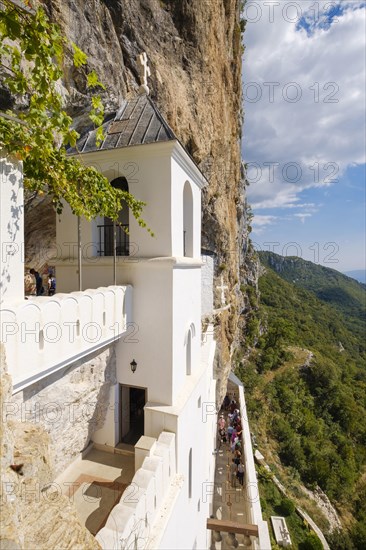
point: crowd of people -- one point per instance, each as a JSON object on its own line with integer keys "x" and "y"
{"x": 36, "y": 286}
{"x": 230, "y": 434}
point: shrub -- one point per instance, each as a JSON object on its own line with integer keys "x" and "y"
{"x": 312, "y": 542}
{"x": 287, "y": 507}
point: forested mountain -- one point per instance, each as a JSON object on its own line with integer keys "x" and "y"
{"x": 306, "y": 383}
{"x": 344, "y": 293}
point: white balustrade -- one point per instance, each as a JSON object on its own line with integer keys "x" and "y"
{"x": 45, "y": 334}
{"x": 130, "y": 522}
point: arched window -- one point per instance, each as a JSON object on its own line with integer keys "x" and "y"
{"x": 189, "y": 353}
{"x": 122, "y": 238}
{"x": 188, "y": 344}
{"x": 190, "y": 473}
{"x": 187, "y": 220}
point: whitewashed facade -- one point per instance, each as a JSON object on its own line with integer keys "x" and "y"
{"x": 145, "y": 305}
{"x": 151, "y": 313}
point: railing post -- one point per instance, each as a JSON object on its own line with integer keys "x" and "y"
{"x": 114, "y": 254}
{"x": 79, "y": 255}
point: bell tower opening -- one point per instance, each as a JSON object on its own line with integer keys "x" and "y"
{"x": 122, "y": 226}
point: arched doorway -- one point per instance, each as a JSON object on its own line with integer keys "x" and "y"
{"x": 122, "y": 238}
{"x": 187, "y": 220}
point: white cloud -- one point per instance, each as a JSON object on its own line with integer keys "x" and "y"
{"x": 263, "y": 220}
{"x": 308, "y": 205}
{"x": 311, "y": 141}
{"x": 302, "y": 216}
{"x": 260, "y": 223}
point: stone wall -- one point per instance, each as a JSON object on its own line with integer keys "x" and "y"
{"x": 70, "y": 405}
{"x": 31, "y": 517}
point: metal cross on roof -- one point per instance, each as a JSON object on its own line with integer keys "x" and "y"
{"x": 145, "y": 72}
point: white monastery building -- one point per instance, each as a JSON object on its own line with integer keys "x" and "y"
{"x": 126, "y": 326}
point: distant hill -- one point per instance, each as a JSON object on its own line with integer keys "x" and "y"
{"x": 305, "y": 384}
{"x": 358, "y": 274}
{"x": 344, "y": 293}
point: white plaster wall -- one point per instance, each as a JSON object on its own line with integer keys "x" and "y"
{"x": 11, "y": 231}
{"x": 186, "y": 311}
{"x": 149, "y": 338}
{"x": 95, "y": 273}
{"x": 148, "y": 173}
{"x": 108, "y": 432}
{"x": 179, "y": 178}
{"x": 192, "y": 424}
{"x": 47, "y": 333}
{"x": 167, "y": 297}
{"x": 154, "y": 188}
{"x": 156, "y": 174}
{"x": 67, "y": 244}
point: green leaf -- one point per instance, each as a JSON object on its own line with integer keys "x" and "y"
{"x": 97, "y": 102}
{"x": 80, "y": 58}
{"x": 93, "y": 81}
{"x": 99, "y": 135}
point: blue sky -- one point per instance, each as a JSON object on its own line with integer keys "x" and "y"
{"x": 304, "y": 130}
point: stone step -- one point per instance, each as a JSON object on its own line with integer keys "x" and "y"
{"x": 123, "y": 449}
{"x": 120, "y": 449}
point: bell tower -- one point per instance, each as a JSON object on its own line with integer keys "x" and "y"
{"x": 141, "y": 150}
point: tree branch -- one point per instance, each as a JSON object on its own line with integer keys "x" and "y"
{"x": 13, "y": 118}
{"x": 7, "y": 68}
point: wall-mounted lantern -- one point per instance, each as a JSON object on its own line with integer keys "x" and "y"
{"x": 133, "y": 365}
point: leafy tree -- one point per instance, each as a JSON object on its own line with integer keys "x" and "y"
{"x": 287, "y": 507}
{"x": 340, "y": 540}
{"x": 312, "y": 542}
{"x": 358, "y": 535}
{"x": 279, "y": 332}
{"x": 38, "y": 129}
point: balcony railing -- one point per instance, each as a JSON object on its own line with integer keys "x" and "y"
{"x": 106, "y": 240}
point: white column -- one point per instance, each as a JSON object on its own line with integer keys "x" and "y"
{"x": 11, "y": 231}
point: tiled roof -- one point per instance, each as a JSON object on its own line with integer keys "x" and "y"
{"x": 138, "y": 121}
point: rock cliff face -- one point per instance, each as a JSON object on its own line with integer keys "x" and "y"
{"x": 33, "y": 514}
{"x": 71, "y": 407}
{"x": 194, "y": 50}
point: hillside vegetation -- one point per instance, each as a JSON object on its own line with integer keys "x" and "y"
{"x": 345, "y": 294}
{"x": 306, "y": 383}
